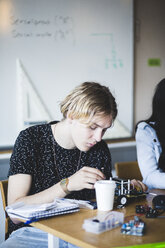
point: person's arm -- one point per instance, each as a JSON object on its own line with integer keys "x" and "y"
{"x": 148, "y": 152}
{"x": 19, "y": 186}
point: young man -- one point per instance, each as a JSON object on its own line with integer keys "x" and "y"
{"x": 62, "y": 159}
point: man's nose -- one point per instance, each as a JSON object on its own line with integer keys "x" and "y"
{"x": 98, "y": 135}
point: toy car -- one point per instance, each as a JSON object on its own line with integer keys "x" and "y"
{"x": 124, "y": 191}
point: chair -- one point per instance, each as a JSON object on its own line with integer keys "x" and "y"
{"x": 128, "y": 170}
{"x": 3, "y": 189}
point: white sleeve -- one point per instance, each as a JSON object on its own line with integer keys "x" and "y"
{"x": 148, "y": 152}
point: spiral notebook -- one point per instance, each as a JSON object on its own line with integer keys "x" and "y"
{"x": 35, "y": 211}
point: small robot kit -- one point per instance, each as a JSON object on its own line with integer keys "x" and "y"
{"x": 137, "y": 226}
{"x": 103, "y": 222}
{"x": 148, "y": 211}
{"x": 158, "y": 203}
{"x": 134, "y": 227}
{"x": 125, "y": 191}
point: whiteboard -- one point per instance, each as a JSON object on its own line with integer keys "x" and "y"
{"x": 60, "y": 45}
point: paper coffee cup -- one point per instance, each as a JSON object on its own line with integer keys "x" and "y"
{"x": 105, "y": 192}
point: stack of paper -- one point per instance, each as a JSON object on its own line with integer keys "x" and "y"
{"x": 103, "y": 222}
{"x": 82, "y": 203}
{"x": 35, "y": 211}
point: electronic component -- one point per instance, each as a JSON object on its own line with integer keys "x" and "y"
{"x": 152, "y": 213}
{"x": 133, "y": 227}
{"x": 142, "y": 209}
{"x": 148, "y": 211}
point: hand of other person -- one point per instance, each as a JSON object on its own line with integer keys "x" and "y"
{"x": 139, "y": 185}
{"x": 85, "y": 178}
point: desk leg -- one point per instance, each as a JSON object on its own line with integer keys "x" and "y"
{"x": 53, "y": 242}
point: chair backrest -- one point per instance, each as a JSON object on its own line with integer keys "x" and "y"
{"x": 3, "y": 189}
{"x": 128, "y": 170}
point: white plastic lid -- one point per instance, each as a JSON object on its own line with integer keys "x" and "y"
{"x": 103, "y": 183}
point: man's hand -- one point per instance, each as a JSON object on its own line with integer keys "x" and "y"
{"x": 85, "y": 178}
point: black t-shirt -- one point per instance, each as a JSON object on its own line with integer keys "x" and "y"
{"x": 35, "y": 152}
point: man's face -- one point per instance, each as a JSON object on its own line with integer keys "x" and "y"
{"x": 85, "y": 136}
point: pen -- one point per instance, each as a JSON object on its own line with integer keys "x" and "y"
{"x": 31, "y": 220}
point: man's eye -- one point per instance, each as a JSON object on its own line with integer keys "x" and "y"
{"x": 92, "y": 128}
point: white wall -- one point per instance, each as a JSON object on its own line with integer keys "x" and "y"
{"x": 149, "y": 43}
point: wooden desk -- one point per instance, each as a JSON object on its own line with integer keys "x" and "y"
{"x": 69, "y": 228}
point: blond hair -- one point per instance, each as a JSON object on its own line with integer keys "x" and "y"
{"x": 89, "y": 99}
